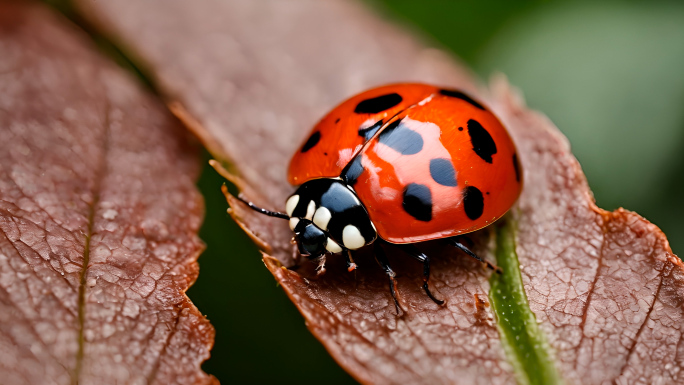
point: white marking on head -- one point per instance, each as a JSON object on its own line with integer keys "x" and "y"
{"x": 321, "y": 218}
{"x": 332, "y": 247}
{"x": 293, "y": 223}
{"x": 352, "y": 238}
{"x": 291, "y": 204}
{"x": 310, "y": 209}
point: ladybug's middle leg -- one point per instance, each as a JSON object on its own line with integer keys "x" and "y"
{"x": 421, "y": 257}
{"x": 381, "y": 258}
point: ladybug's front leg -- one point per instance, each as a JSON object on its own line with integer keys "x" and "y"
{"x": 351, "y": 266}
{"x": 320, "y": 269}
{"x": 421, "y": 257}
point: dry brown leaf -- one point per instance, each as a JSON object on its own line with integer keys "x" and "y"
{"x": 98, "y": 218}
{"x": 252, "y": 77}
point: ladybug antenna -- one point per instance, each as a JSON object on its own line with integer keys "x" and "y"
{"x": 263, "y": 211}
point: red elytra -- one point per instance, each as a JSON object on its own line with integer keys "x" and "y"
{"x": 427, "y": 163}
{"x": 339, "y": 131}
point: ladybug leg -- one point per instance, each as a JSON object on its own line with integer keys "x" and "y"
{"x": 381, "y": 258}
{"x": 459, "y": 245}
{"x": 351, "y": 266}
{"x": 421, "y": 257}
{"x": 320, "y": 269}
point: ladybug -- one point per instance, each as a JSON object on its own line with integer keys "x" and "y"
{"x": 397, "y": 165}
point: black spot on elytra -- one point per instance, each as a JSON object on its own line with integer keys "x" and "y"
{"x": 418, "y": 202}
{"x": 312, "y": 141}
{"x": 401, "y": 138}
{"x": 337, "y": 120}
{"x": 460, "y": 128}
{"x": 442, "y": 172}
{"x": 473, "y": 202}
{"x": 369, "y": 132}
{"x": 462, "y": 96}
{"x": 378, "y": 104}
{"x": 352, "y": 171}
{"x": 483, "y": 144}
{"x": 516, "y": 167}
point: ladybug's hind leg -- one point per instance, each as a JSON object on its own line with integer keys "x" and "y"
{"x": 381, "y": 258}
{"x": 421, "y": 257}
{"x": 454, "y": 242}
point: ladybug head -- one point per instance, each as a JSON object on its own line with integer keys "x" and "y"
{"x": 327, "y": 216}
{"x": 311, "y": 240}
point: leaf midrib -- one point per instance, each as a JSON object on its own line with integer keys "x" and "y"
{"x": 523, "y": 341}
{"x": 99, "y": 176}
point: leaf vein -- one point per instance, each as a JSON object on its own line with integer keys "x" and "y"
{"x": 99, "y": 176}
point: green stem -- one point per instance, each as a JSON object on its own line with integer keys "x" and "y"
{"x": 523, "y": 341}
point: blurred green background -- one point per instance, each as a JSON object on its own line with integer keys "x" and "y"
{"x": 609, "y": 74}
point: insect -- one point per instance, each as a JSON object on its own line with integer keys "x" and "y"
{"x": 397, "y": 165}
